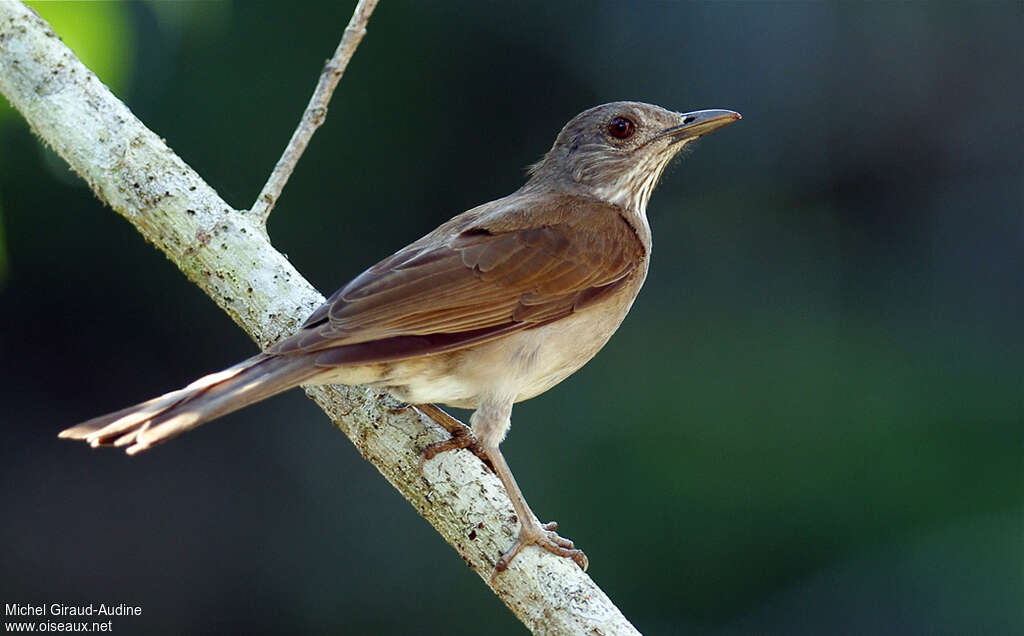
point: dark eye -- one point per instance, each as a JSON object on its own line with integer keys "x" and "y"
{"x": 621, "y": 127}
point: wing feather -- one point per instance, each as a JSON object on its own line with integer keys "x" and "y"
{"x": 489, "y": 272}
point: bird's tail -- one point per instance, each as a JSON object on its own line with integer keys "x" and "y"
{"x": 143, "y": 425}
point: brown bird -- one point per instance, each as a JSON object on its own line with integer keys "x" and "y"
{"x": 495, "y": 306}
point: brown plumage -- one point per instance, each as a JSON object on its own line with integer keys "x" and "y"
{"x": 485, "y": 273}
{"x": 493, "y": 307}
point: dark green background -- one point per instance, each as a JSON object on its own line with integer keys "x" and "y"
{"x": 811, "y": 422}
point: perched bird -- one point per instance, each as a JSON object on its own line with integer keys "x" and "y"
{"x": 495, "y": 306}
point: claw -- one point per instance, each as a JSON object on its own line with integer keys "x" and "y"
{"x": 531, "y": 532}
{"x": 461, "y": 437}
{"x": 544, "y": 536}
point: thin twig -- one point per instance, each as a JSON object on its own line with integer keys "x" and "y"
{"x": 316, "y": 110}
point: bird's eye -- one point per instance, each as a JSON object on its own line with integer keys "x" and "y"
{"x": 621, "y": 127}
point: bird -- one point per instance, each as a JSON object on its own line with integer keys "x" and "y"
{"x": 495, "y": 306}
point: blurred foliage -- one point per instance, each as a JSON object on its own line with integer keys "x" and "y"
{"x": 811, "y": 421}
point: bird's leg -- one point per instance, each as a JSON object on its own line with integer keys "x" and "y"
{"x": 531, "y": 531}
{"x": 461, "y": 436}
{"x": 490, "y": 425}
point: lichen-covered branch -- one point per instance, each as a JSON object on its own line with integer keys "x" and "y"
{"x": 227, "y": 254}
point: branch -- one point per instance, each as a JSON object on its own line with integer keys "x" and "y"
{"x": 316, "y": 110}
{"x": 227, "y": 254}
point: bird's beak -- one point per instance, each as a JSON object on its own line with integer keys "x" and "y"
{"x": 699, "y": 122}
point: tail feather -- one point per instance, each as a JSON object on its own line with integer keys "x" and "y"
{"x": 161, "y": 418}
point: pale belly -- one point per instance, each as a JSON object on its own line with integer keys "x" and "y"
{"x": 522, "y": 365}
{"x": 518, "y": 366}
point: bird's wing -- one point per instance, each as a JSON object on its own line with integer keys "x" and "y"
{"x": 471, "y": 282}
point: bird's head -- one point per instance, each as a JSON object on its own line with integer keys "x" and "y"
{"x": 616, "y": 152}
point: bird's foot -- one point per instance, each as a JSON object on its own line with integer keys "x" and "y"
{"x": 461, "y": 437}
{"x": 544, "y": 536}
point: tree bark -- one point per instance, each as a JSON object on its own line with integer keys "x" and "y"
{"x": 227, "y": 253}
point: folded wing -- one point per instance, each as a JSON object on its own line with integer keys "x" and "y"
{"x": 500, "y": 273}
